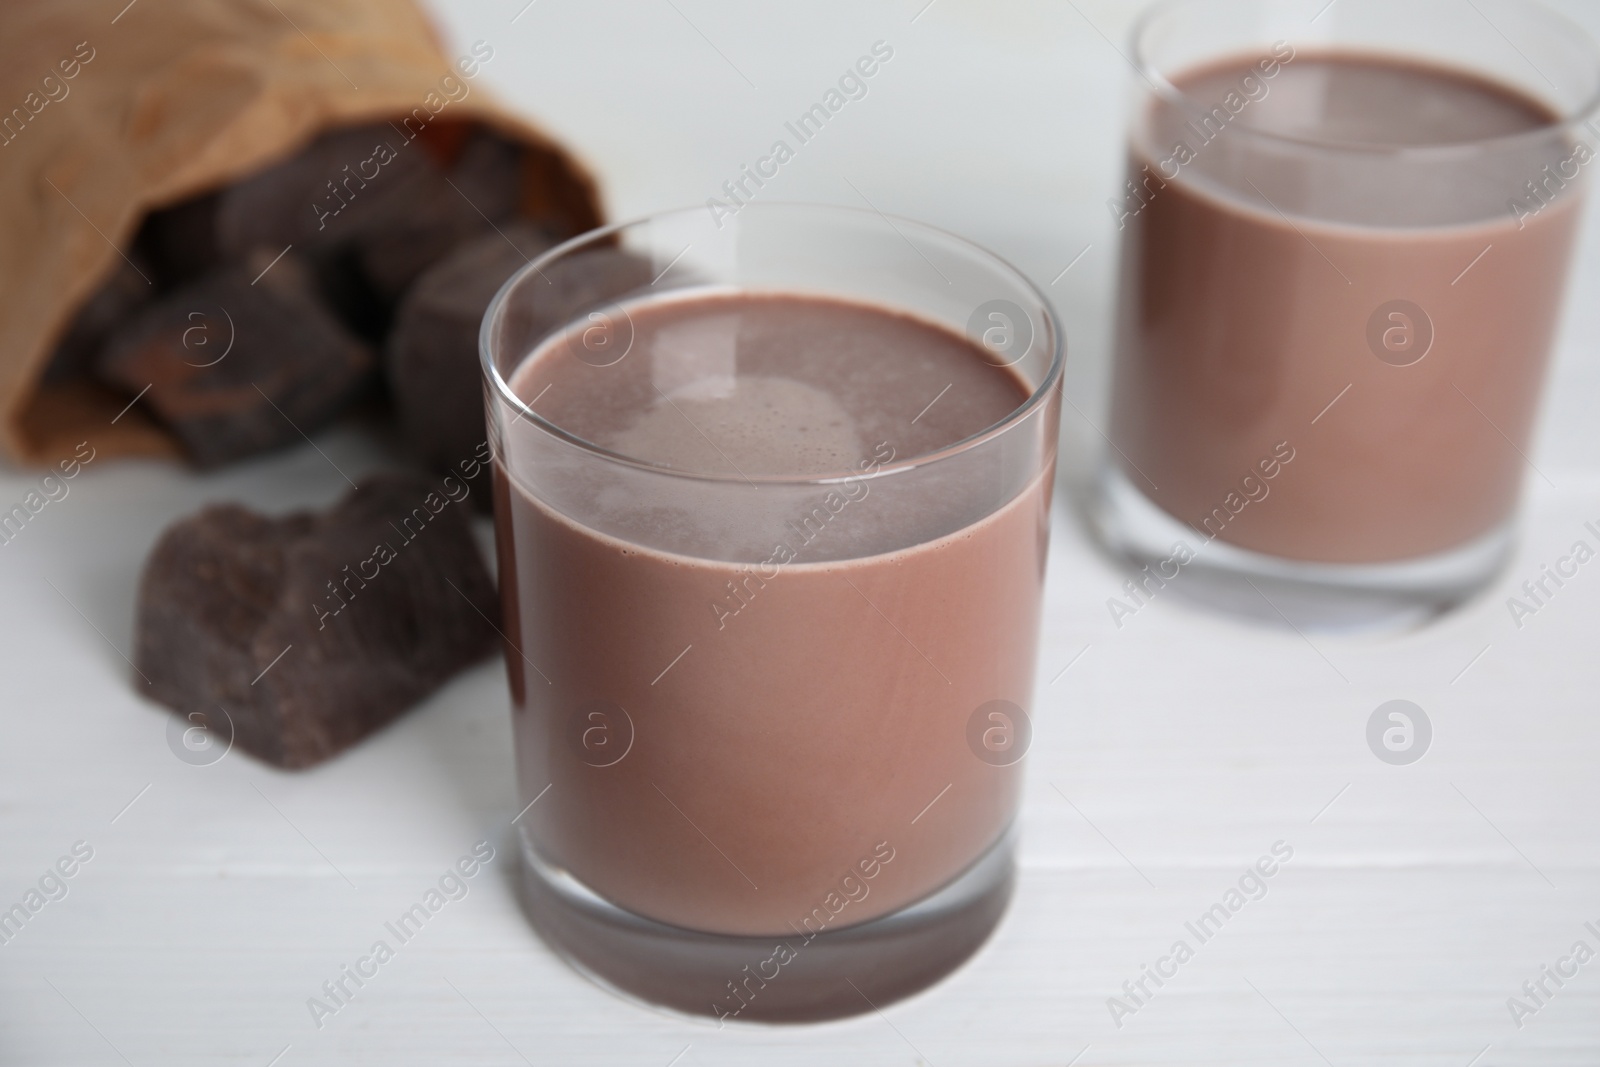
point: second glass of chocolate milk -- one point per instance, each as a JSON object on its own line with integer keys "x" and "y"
{"x": 772, "y": 503}
{"x": 1345, "y": 237}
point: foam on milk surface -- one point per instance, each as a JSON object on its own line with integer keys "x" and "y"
{"x": 747, "y": 386}
{"x": 761, "y": 424}
{"x": 773, "y": 384}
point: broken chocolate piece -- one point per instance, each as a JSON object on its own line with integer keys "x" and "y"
{"x": 477, "y": 194}
{"x": 345, "y": 182}
{"x": 243, "y": 360}
{"x": 488, "y": 172}
{"x": 301, "y": 635}
{"x": 127, "y": 290}
{"x": 431, "y": 363}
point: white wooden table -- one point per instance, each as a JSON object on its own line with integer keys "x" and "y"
{"x": 1172, "y": 754}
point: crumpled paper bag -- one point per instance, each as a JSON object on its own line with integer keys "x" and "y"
{"x": 109, "y": 110}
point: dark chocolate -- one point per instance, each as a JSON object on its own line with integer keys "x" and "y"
{"x": 239, "y": 361}
{"x": 299, "y": 636}
{"x": 475, "y": 195}
{"x": 431, "y": 361}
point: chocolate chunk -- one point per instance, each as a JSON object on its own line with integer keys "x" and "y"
{"x": 488, "y": 172}
{"x": 347, "y": 181}
{"x": 127, "y": 290}
{"x": 298, "y": 636}
{"x": 392, "y": 258}
{"x": 239, "y": 362}
{"x": 596, "y": 276}
{"x": 431, "y": 362}
{"x": 371, "y": 189}
{"x": 478, "y": 193}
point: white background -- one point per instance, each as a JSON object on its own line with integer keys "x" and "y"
{"x": 1174, "y": 752}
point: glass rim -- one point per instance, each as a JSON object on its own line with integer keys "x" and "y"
{"x": 1034, "y": 402}
{"x": 1559, "y": 24}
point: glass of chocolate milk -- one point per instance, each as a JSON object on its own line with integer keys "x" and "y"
{"x": 1345, "y": 234}
{"x": 772, "y": 503}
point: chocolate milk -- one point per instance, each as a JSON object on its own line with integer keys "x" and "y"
{"x": 1415, "y": 292}
{"x": 738, "y": 732}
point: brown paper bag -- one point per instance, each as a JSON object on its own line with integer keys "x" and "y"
{"x": 109, "y": 111}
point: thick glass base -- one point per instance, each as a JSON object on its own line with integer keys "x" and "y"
{"x": 778, "y": 978}
{"x": 1320, "y": 596}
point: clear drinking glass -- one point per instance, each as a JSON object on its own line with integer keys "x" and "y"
{"x": 1332, "y": 334}
{"x": 749, "y": 779}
